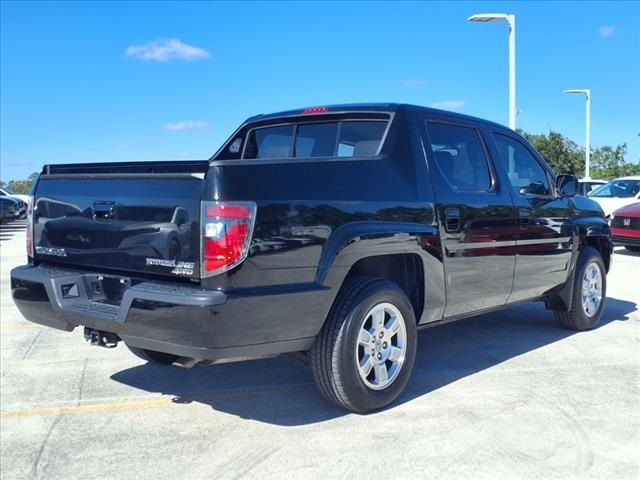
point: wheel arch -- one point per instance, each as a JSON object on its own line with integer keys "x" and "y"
{"x": 404, "y": 269}
{"x": 404, "y": 253}
{"x": 595, "y": 235}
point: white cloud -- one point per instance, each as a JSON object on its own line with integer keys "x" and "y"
{"x": 186, "y": 125}
{"x": 414, "y": 82}
{"x": 606, "y": 31}
{"x": 165, "y": 49}
{"x": 448, "y": 104}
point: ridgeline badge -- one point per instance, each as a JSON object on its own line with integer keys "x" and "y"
{"x": 179, "y": 268}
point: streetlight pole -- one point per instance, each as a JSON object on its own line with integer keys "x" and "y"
{"x": 587, "y": 146}
{"x": 511, "y": 22}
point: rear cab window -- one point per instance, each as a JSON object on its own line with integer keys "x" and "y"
{"x": 460, "y": 156}
{"x": 309, "y": 138}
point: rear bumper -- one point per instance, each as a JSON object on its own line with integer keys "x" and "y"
{"x": 182, "y": 320}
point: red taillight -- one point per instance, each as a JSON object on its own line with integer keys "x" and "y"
{"x": 232, "y": 212}
{"x": 311, "y": 110}
{"x": 30, "y": 227}
{"x": 226, "y": 235}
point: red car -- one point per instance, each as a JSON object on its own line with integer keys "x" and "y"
{"x": 625, "y": 227}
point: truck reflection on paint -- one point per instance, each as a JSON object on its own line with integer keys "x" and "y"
{"x": 156, "y": 232}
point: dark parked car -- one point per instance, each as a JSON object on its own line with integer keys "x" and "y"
{"x": 370, "y": 222}
{"x": 9, "y": 208}
{"x": 21, "y": 204}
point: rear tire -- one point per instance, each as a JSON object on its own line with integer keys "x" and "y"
{"x": 152, "y": 356}
{"x": 632, "y": 248}
{"x": 371, "y": 328}
{"x": 587, "y": 304}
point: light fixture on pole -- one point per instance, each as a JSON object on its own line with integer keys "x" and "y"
{"x": 511, "y": 21}
{"x": 587, "y": 146}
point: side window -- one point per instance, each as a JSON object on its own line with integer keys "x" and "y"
{"x": 525, "y": 173}
{"x": 459, "y": 154}
{"x": 270, "y": 142}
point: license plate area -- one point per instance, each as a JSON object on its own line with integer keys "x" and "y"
{"x": 106, "y": 288}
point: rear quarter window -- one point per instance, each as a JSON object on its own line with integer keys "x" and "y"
{"x": 271, "y": 142}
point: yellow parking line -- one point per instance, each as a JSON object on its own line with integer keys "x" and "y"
{"x": 151, "y": 402}
{"x": 18, "y": 325}
{"x": 89, "y": 408}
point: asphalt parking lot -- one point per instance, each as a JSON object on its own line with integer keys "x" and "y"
{"x": 506, "y": 395}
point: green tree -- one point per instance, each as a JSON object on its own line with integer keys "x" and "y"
{"x": 609, "y": 162}
{"x": 21, "y": 187}
{"x": 565, "y": 156}
{"x": 560, "y": 152}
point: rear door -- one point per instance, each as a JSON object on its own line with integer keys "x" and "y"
{"x": 545, "y": 233}
{"x": 475, "y": 214}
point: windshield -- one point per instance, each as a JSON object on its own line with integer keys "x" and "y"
{"x": 618, "y": 189}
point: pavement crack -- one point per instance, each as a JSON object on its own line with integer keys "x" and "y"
{"x": 33, "y": 342}
{"x": 36, "y": 463}
{"x": 82, "y": 377}
{"x": 247, "y": 462}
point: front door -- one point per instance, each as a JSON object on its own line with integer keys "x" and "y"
{"x": 546, "y": 233}
{"x": 476, "y": 216}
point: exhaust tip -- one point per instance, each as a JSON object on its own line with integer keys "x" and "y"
{"x": 186, "y": 362}
{"x": 99, "y": 338}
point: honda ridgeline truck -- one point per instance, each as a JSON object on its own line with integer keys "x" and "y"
{"x": 334, "y": 231}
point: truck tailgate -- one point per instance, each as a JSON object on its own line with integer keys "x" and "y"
{"x": 130, "y": 218}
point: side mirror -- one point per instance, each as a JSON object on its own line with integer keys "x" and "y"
{"x": 567, "y": 185}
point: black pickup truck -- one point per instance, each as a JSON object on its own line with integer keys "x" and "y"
{"x": 334, "y": 231}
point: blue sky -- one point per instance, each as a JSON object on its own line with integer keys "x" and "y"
{"x": 83, "y": 82}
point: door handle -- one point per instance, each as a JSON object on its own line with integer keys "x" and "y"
{"x": 452, "y": 220}
{"x": 525, "y": 216}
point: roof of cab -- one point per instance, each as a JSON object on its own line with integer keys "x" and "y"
{"x": 366, "y": 107}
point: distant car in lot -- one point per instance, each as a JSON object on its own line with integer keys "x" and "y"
{"x": 586, "y": 186}
{"x": 625, "y": 227}
{"x": 5, "y": 192}
{"x": 8, "y": 209}
{"x": 20, "y": 203}
{"x": 617, "y": 193}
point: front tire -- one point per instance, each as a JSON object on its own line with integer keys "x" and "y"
{"x": 589, "y": 293}
{"x": 152, "y": 356}
{"x": 363, "y": 357}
